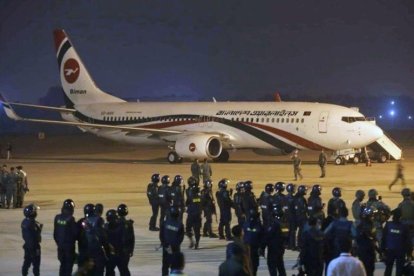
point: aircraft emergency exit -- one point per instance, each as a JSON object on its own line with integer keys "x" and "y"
{"x": 200, "y": 129}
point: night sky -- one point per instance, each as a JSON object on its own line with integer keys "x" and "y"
{"x": 194, "y": 50}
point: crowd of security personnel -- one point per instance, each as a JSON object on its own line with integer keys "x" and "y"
{"x": 102, "y": 246}
{"x": 13, "y": 187}
{"x": 283, "y": 217}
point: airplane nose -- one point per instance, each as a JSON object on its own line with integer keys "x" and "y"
{"x": 376, "y": 132}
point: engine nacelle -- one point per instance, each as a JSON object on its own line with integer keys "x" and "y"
{"x": 199, "y": 146}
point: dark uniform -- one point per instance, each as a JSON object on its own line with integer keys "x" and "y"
{"x": 399, "y": 175}
{"x": 300, "y": 213}
{"x": 114, "y": 231}
{"x": 209, "y": 209}
{"x": 290, "y": 214}
{"x": 176, "y": 194}
{"x": 31, "y": 232}
{"x": 237, "y": 200}
{"x": 249, "y": 201}
{"x": 65, "y": 233}
{"x": 323, "y": 161}
{"x": 128, "y": 238}
{"x": 265, "y": 203}
{"x": 164, "y": 197}
{"x": 11, "y": 189}
{"x": 312, "y": 251}
{"x": 4, "y": 180}
{"x": 366, "y": 241}
{"x": 407, "y": 212}
{"x": 335, "y": 203}
{"x": 171, "y": 237}
{"x": 394, "y": 244}
{"x": 315, "y": 205}
{"x": 381, "y": 212}
{"x": 357, "y": 206}
{"x": 225, "y": 204}
{"x": 152, "y": 195}
{"x": 253, "y": 238}
{"x": 193, "y": 222}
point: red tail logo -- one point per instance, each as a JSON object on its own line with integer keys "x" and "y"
{"x": 71, "y": 70}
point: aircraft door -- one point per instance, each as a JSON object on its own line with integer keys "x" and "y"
{"x": 323, "y": 122}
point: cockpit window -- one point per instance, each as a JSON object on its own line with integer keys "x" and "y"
{"x": 353, "y": 119}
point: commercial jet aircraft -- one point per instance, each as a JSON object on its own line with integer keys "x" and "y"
{"x": 201, "y": 129}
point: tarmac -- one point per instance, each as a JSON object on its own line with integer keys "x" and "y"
{"x": 92, "y": 170}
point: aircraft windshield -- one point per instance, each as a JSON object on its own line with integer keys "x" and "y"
{"x": 353, "y": 119}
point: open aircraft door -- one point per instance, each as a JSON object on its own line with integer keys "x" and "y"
{"x": 323, "y": 122}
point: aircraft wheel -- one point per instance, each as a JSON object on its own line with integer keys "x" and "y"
{"x": 356, "y": 160}
{"x": 338, "y": 161}
{"x": 382, "y": 158}
{"x": 173, "y": 157}
{"x": 223, "y": 157}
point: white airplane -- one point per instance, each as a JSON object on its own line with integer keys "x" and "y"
{"x": 201, "y": 129}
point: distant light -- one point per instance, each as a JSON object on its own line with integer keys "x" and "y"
{"x": 392, "y": 113}
{"x": 392, "y": 102}
{"x": 380, "y": 116}
{"x": 410, "y": 117}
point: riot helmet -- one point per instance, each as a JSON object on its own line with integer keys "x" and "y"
{"x": 122, "y": 210}
{"x": 155, "y": 178}
{"x": 30, "y": 211}
{"x": 99, "y": 209}
{"x": 302, "y": 189}
{"x": 280, "y": 187}
{"x": 178, "y": 180}
{"x": 360, "y": 194}
{"x": 316, "y": 190}
{"x": 223, "y": 183}
{"x": 208, "y": 184}
{"x": 111, "y": 215}
{"x": 165, "y": 180}
{"x": 406, "y": 192}
{"x": 240, "y": 186}
{"x": 337, "y": 192}
{"x": 191, "y": 181}
{"x": 89, "y": 210}
{"x": 248, "y": 185}
{"x": 269, "y": 188}
{"x": 68, "y": 205}
{"x": 291, "y": 188}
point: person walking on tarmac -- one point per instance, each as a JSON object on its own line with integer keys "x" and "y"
{"x": 128, "y": 237}
{"x": 164, "y": 197}
{"x": 208, "y": 206}
{"x": 152, "y": 195}
{"x": 171, "y": 237}
{"x": 196, "y": 170}
{"x": 394, "y": 244}
{"x": 193, "y": 223}
{"x": 335, "y": 203}
{"x": 399, "y": 175}
{"x": 237, "y": 201}
{"x": 265, "y": 203}
{"x": 297, "y": 163}
{"x": 31, "y": 232}
{"x": 323, "y": 161}
{"x": 176, "y": 194}
{"x": 253, "y": 237}
{"x": 225, "y": 204}
{"x": 206, "y": 171}
{"x": 64, "y": 234}
{"x": 358, "y": 206}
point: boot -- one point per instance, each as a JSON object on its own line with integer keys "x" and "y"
{"x": 191, "y": 242}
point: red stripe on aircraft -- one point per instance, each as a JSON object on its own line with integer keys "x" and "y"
{"x": 59, "y": 36}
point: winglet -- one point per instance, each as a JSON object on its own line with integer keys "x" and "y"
{"x": 9, "y": 110}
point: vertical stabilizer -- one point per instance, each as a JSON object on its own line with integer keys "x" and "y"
{"x": 76, "y": 81}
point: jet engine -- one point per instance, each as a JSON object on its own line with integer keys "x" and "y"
{"x": 199, "y": 146}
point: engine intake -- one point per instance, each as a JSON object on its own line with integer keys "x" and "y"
{"x": 199, "y": 146}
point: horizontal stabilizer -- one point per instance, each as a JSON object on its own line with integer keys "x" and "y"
{"x": 45, "y": 107}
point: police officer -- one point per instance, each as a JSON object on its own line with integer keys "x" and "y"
{"x": 315, "y": 205}
{"x": 24, "y": 185}
{"x": 31, "y": 232}
{"x": 193, "y": 222}
{"x": 152, "y": 195}
{"x": 176, "y": 194}
{"x": 253, "y": 235}
{"x": 297, "y": 163}
{"x": 323, "y": 161}
{"x": 335, "y": 203}
{"x": 275, "y": 235}
{"x": 4, "y": 179}
{"x": 381, "y": 212}
{"x": 407, "y": 212}
{"x": 394, "y": 244}
{"x": 366, "y": 240}
{"x": 64, "y": 234}
{"x": 249, "y": 201}
{"x": 196, "y": 170}
{"x": 279, "y": 198}
{"x": 209, "y": 209}
{"x": 99, "y": 209}
{"x": 114, "y": 232}
{"x": 312, "y": 251}
{"x": 357, "y": 206}
{"x": 225, "y": 204}
{"x": 300, "y": 213}
{"x": 237, "y": 200}
{"x": 128, "y": 237}
{"x": 206, "y": 171}
{"x": 11, "y": 189}
{"x": 265, "y": 202}
{"x": 290, "y": 214}
{"x": 164, "y": 197}
{"x": 171, "y": 237}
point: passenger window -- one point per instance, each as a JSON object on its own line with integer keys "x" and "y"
{"x": 282, "y": 120}
{"x": 303, "y": 120}
{"x": 267, "y": 120}
{"x": 297, "y": 120}
{"x": 257, "y": 120}
{"x": 273, "y": 120}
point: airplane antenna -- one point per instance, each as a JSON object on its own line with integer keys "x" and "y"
{"x": 277, "y": 97}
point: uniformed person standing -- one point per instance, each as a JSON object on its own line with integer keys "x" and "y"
{"x": 176, "y": 194}
{"x": 22, "y": 186}
{"x": 290, "y": 214}
{"x": 4, "y": 179}
{"x": 152, "y": 195}
{"x": 164, "y": 197}
{"x": 31, "y": 232}
{"x": 206, "y": 171}
{"x": 128, "y": 238}
{"x": 193, "y": 223}
{"x": 11, "y": 189}
{"x": 366, "y": 240}
{"x": 209, "y": 209}
{"x": 237, "y": 201}
{"x": 297, "y": 163}
{"x": 253, "y": 237}
{"x": 335, "y": 203}
{"x": 381, "y": 212}
{"x": 196, "y": 170}
{"x": 114, "y": 231}
{"x": 323, "y": 161}
{"x": 315, "y": 205}
{"x": 64, "y": 234}
{"x": 312, "y": 251}
{"x": 399, "y": 175}
{"x": 265, "y": 203}
{"x": 407, "y": 212}
{"x": 300, "y": 213}
{"x": 249, "y": 201}
{"x": 357, "y": 206}
{"x": 394, "y": 244}
{"x": 171, "y": 237}
{"x": 225, "y": 204}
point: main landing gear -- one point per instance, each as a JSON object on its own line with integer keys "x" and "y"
{"x": 173, "y": 157}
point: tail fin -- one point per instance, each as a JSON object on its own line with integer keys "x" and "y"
{"x": 77, "y": 84}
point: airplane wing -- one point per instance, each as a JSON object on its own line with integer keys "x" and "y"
{"x": 12, "y": 115}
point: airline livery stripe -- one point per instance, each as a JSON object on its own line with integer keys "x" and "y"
{"x": 63, "y": 51}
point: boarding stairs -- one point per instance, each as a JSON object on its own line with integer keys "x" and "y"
{"x": 387, "y": 145}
